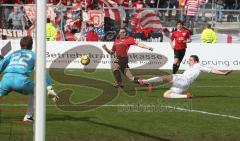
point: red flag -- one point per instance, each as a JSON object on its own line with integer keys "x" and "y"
{"x": 109, "y": 12}
{"x": 148, "y": 19}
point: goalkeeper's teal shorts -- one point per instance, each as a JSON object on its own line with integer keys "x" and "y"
{"x": 16, "y": 82}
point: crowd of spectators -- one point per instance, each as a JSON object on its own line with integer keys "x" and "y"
{"x": 16, "y": 1}
{"x": 69, "y": 21}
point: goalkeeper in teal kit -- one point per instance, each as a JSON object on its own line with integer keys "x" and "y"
{"x": 16, "y": 68}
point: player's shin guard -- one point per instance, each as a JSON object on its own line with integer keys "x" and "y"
{"x": 117, "y": 75}
{"x": 175, "y": 68}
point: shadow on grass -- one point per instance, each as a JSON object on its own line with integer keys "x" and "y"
{"x": 91, "y": 121}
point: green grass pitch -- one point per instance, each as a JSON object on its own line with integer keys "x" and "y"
{"x": 90, "y": 109}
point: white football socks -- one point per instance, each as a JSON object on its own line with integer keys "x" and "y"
{"x": 175, "y": 95}
{"x": 30, "y": 108}
{"x": 153, "y": 80}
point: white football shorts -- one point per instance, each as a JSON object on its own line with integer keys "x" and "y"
{"x": 180, "y": 84}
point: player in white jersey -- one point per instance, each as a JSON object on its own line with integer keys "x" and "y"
{"x": 181, "y": 82}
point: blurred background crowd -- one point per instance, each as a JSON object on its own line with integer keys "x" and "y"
{"x": 95, "y": 20}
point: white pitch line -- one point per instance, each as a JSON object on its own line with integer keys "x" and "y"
{"x": 171, "y": 107}
{"x": 217, "y": 86}
{"x": 52, "y": 105}
{"x": 204, "y": 112}
{"x": 196, "y": 86}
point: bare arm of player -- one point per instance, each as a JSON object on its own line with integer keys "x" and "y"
{"x": 218, "y": 72}
{"x": 52, "y": 93}
{"x": 107, "y": 50}
{"x": 171, "y": 43}
{"x": 189, "y": 40}
{"x": 141, "y": 45}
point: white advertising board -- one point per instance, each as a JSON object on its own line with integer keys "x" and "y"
{"x": 67, "y": 55}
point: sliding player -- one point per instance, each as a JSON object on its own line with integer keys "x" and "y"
{"x": 181, "y": 82}
{"x": 16, "y": 68}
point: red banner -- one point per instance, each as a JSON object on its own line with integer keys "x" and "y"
{"x": 96, "y": 17}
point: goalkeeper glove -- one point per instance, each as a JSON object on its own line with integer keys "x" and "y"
{"x": 52, "y": 93}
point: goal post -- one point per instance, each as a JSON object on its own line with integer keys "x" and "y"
{"x": 40, "y": 88}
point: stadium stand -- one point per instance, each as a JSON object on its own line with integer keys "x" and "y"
{"x": 144, "y": 19}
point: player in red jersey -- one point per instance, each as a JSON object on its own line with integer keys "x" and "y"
{"x": 120, "y": 48}
{"x": 178, "y": 41}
